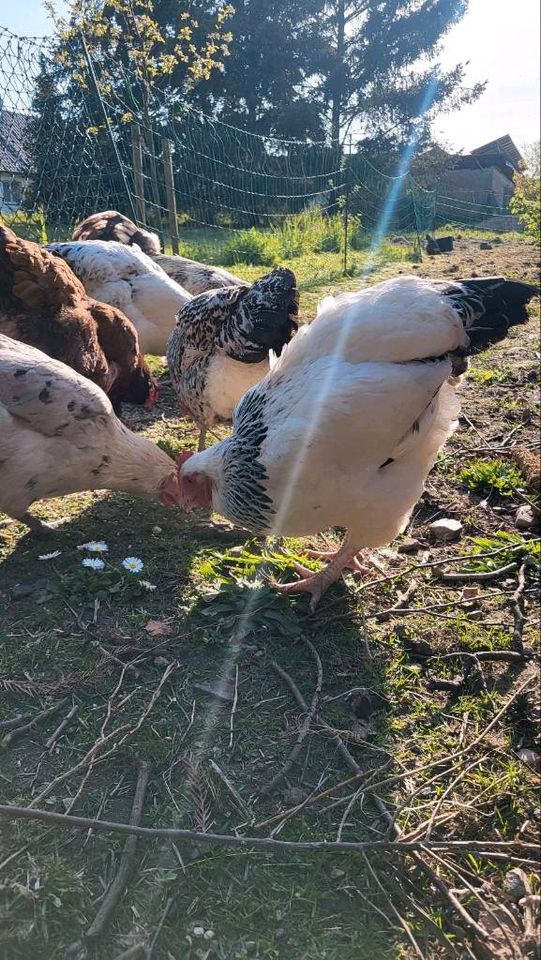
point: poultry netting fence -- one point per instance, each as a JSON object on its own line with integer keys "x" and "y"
{"x": 79, "y": 134}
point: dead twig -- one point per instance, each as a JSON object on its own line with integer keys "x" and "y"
{"x": 402, "y": 600}
{"x": 242, "y": 805}
{"x": 473, "y": 576}
{"x": 132, "y": 953}
{"x": 234, "y": 707}
{"x": 263, "y": 843}
{"x": 17, "y": 732}
{"x": 127, "y": 860}
{"x": 304, "y": 729}
{"x": 50, "y": 742}
{"x": 519, "y": 612}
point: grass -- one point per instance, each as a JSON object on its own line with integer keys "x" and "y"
{"x": 492, "y": 476}
{"x": 84, "y": 638}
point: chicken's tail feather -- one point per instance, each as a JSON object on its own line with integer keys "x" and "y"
{"x": 489, "y": 306}
{"x": 33, "y": 277}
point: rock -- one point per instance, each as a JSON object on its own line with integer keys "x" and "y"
{"x": 516, "y": 884}
{"x": 156, "y": 531}
{"x": 484, "y": 245}
{"x": 409, "y": 545}
{"x": 530, "y": 757}
{"x": 525, "y": 518}
{"x": 221, "y": 690}
{"x": 445, "y": 530}
{"x": 336, "y": 873}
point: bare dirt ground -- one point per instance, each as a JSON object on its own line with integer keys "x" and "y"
{"x": 404, "y": 711}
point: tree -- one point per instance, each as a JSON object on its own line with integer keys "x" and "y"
{"x": 381, "y": 67}
{"x": 526, "y": 200}
{"x": 266, "y": 84}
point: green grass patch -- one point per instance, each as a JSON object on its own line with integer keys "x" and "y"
{"x": 486, "y": 476}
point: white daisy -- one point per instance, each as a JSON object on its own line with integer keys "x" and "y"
{"x": 94, "y": 546}
{"x": 50, "y": 556}
{"x": 133, "y": 564}
{"x": 147, "y": 585}
{"x": 93, "y": 562}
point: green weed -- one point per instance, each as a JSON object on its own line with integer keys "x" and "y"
{"x": 485, "y": 476}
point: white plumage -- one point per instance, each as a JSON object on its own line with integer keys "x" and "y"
{"x": 345, "y": 428}
{"x": 59, "y": 434}
{"x": 127, "y": 278}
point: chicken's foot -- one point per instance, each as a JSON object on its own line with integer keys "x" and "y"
{"x": 317, "y": 583}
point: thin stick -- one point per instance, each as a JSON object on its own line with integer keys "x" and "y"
{"x": 403, "y": 598}
{"x": 262, "y": 843}
{"x": 243, "y": 806}
{"x": 234, "y": 707}
{"x": 519, "y": 613}
{"x": 19, "y": 732}
{"x": 132, "y": 953}
{"x": 127, "y": 860}
{"x": 15, "y": 721}
{"x": 475, "y": 577}
{"x": 309, "y": 800}
{"x": 304, "y": 729}
{"x": 49, "y": 744}
{"x": 405, "y": 926}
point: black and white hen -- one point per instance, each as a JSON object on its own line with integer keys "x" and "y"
{"x": 220, "y": 346}
{"x": 346, "y": 426}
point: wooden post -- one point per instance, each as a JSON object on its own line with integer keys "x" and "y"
{"x": 138, "y": 181}
{"x": 170, "y": 192}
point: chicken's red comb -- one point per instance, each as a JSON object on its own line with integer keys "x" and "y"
{"x": 182, "y": 457}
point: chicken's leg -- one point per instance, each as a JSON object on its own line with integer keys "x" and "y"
{"x": 317, "y": 583}
{"x": 202, "y": 439}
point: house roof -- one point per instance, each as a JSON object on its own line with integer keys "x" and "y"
{"x": 14, "y": 148}
{"x": 502, "y": 147}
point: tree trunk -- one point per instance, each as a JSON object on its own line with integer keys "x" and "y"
{"x": 337, "y": 93}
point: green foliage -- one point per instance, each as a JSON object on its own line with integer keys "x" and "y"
{"x": 29, "y": 226}
{"x": 486, "y": 376}
{"x": 485, "y": 476}
{"x": 526, "y": 205}
{"x": 250, "y": 246}
{"x": 517, "y": 549}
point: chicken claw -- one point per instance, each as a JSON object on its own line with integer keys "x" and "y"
{"x": 317, "y": 583}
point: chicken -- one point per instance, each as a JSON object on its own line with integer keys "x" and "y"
{"x": 59, "y": 434}
{"x": 42, "y": 303}
{"x": 126, "y": 278}
{"x": 193, "y": 276}
{"x": 345, "y": 427}
{"x": 220, "y": 345}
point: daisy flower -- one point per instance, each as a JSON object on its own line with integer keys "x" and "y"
{"x": 93, "y": 562}
{"x": 147, "y": 585}
{"x": 50, "y": 556}
{"x": 94, "y": 546}
{"x": 133, "y": 564}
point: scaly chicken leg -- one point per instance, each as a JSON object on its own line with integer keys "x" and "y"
{"x": 317, "y": 583}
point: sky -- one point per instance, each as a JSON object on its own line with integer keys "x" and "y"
{"x": 500, "y": 38}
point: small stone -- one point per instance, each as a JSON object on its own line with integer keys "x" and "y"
{"x": 156, "y": 531}
{"x": 525, "y": 518}
{"x": 161, "y": 662}
{"x": 516, "y": 884}
{"x": 335, "y": 873}
{"x": 198, "y": 931}
{"x": 530, "y": 757}
{"x": 484, "y": 245}
{"x": 445, "y": 530}
{"x": 209, "y": 935}
{"x": 222, "y": 690}
{"x": 409, "y": 545}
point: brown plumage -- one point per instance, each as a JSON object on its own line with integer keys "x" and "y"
{"x": 112, "y": 225}
{"x": 42, "y": 303}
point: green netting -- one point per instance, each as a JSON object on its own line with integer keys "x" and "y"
{"x": 70, "y": 140}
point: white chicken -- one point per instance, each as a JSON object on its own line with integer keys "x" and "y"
{"x": 193, "y": 276}
{"x": 128, "y": 279}
{"x": 221, "y": 343}
{"x": 59, "y": 434}
{"x": 345, "y": 428}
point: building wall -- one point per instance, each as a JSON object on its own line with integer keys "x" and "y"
{"x": 489, "y": 187}
{"x": 12, "y": 188}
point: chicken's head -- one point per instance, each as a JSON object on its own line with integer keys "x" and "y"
{"x": 169, "y": 491}
{"x": 153, "y": 394}
{"x": 195, "y": 487}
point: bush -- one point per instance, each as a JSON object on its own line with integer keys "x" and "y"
{"x": 250, "y": 246}
{"x": 28, "y": 226}
{"x": 526, "y": 205}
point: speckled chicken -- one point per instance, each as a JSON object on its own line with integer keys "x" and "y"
{"x": 59, "y": 434}
{"x": 345, "y": 428}
{"x": 44, "y": 304}
{"x": 193, "y": 276}
{"x": 220, "y": 346}
{"x": 126, "y": 278}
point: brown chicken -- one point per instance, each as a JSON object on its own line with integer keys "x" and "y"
{"x": 42, "y": 303}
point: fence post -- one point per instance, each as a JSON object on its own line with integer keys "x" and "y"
{"x": 170, "y": 192}
{"x": 138, "y": 180}
{"x": 347, "y": 172}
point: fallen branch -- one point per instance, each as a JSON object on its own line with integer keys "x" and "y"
{"x": 304, "y": 729}
{"x": 18, "y": 732}
{"x": 127, "y": 860}
{"x": 49, "y": 744}
{"x": 474, "y": 577}
{"x": 262, "y": 843}
{"x": 519, "y": 613}
{"x": 402, "y": 600}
